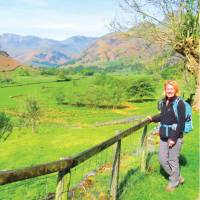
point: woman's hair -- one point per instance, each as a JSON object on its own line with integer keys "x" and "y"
{"x": 174, "y": 84}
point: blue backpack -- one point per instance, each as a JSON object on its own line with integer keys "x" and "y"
{"x": 188, "y": 114}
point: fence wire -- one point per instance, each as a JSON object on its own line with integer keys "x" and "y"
{"x": 90, "y": 179}
{"x": 40, "y": 188}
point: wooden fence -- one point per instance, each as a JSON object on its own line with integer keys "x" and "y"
{"x": 64, "y": 166}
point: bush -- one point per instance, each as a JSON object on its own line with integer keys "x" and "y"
{"x": 116, "y": 92}
{"x": 48, "y": 71}
{"x": 22, "y": 72}
{"x": 106, "y": 91}
{"x": 96, "y": 96}
{"x": 63, "y": 75}
{"x": 88, "y": 72}
{"x": 60, "y": 98}
{"x": 78, "y": 99}
{"x": 5, "y": 126}
{"x": 32, "y": 113}
{"x": 6, "y": 80}
{"x": 102, "y": 79}
{"x": 172, "y": 72}
{"x": 141, "y": 88}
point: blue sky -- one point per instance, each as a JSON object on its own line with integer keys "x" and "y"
{"x": 57, "y": 19}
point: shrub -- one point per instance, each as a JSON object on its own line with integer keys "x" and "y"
{"x": 32, "y": 113}
{"x": 48, "y": 71}
{"x": 22, "y": 72}
{"x": 63, "y": 75}
{"x": 141, "y": 88}
{"x": 102, "y": 79}
{"x": 60, "y": 98}
{"x": 172, "y": 72}
{"x": 96, "y": 96}
{"x": 5, "y": 126}
{"x": 6, "y": 80}
{"x": 88, "y": 72}
{"x": 106, "y": 91}
{"x": 116, "y": 92}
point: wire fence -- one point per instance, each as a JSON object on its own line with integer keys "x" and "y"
{"x": 40, "y": 188}
{"x": 90, "y": 179}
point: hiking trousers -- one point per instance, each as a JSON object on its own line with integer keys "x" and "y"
{"x": 169, "y": 160}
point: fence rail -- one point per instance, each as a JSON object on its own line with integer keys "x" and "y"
{"x": 64, "y": 165}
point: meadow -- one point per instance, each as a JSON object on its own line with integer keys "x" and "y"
{"x": 67, "y": 128}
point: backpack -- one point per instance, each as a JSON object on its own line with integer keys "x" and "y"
{"x": 188, "y": 114}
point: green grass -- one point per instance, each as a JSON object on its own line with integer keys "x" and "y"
{"x": 152, "y": 185}
{"x": 66, "y": 130}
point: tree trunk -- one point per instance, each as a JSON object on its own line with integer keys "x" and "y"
{"x": 33, "y": 126}
{"x": 196, "y": 103}
{"x": 193, "y": 66}
{"x": 189, "y": 49}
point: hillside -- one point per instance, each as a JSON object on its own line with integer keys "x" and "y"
{"x": 119, "y": 45}
{"x": 41, "y": 51}
{"x": 79, "y": 49}
{"x": 7, "y": 63}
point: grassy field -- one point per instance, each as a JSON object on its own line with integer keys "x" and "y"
{"x": 70, "y": 129}
{"x": 66, "y": 130}
{"x": 152, "y": 185}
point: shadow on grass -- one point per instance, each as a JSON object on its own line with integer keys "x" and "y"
{"x": 126, "y": 180}
{"x": 148, "y": 159}
{"x": 96, "y": 106}
{"x": 132, "y": 172}
{"x": 142, "y": 100}
{"x": 128, "y": 177}
{"x": 182, "y": 162}
{"x": 36, "y": 83}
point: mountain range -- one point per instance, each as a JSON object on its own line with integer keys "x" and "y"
{"x": 38, "y": 51}
{"x": 78, "y": 50}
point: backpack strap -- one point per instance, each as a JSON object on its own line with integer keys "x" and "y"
{"x": 175, "y": 106}
{"x": 160, "y": 104}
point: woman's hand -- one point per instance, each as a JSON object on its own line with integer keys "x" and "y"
{"x": 171, "y": 143}
{"x": 149, "y": 118}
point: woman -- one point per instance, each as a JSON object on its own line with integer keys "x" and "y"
{"x": 171, "y": 134}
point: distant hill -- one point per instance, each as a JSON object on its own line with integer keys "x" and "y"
{"x": 41, "y": 51}
{"x": 79, "y": 50}
{"x": 118, "y": 45}
{"x": 7, "y": 63}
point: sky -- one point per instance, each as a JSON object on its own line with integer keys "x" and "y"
{"x": 57, "y": 19}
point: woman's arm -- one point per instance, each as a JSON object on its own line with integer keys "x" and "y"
{"x": 157, "y": 118}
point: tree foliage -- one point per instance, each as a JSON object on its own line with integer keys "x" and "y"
{"x": 32, "y": 113}
{"x": 105, "y": 91}
{"x": 60, "y": 97}
{"x": 63, "y": 75}
{"x": 169, "y": 22}
{"x": 141, "y": 88}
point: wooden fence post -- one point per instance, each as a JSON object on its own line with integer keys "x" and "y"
{"x": 63, "y": 183}
{"x": 143, "y": 149}
{"x": 115, "y": 172}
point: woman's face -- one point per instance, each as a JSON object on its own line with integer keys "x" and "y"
{"x": 169, "y": 91}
